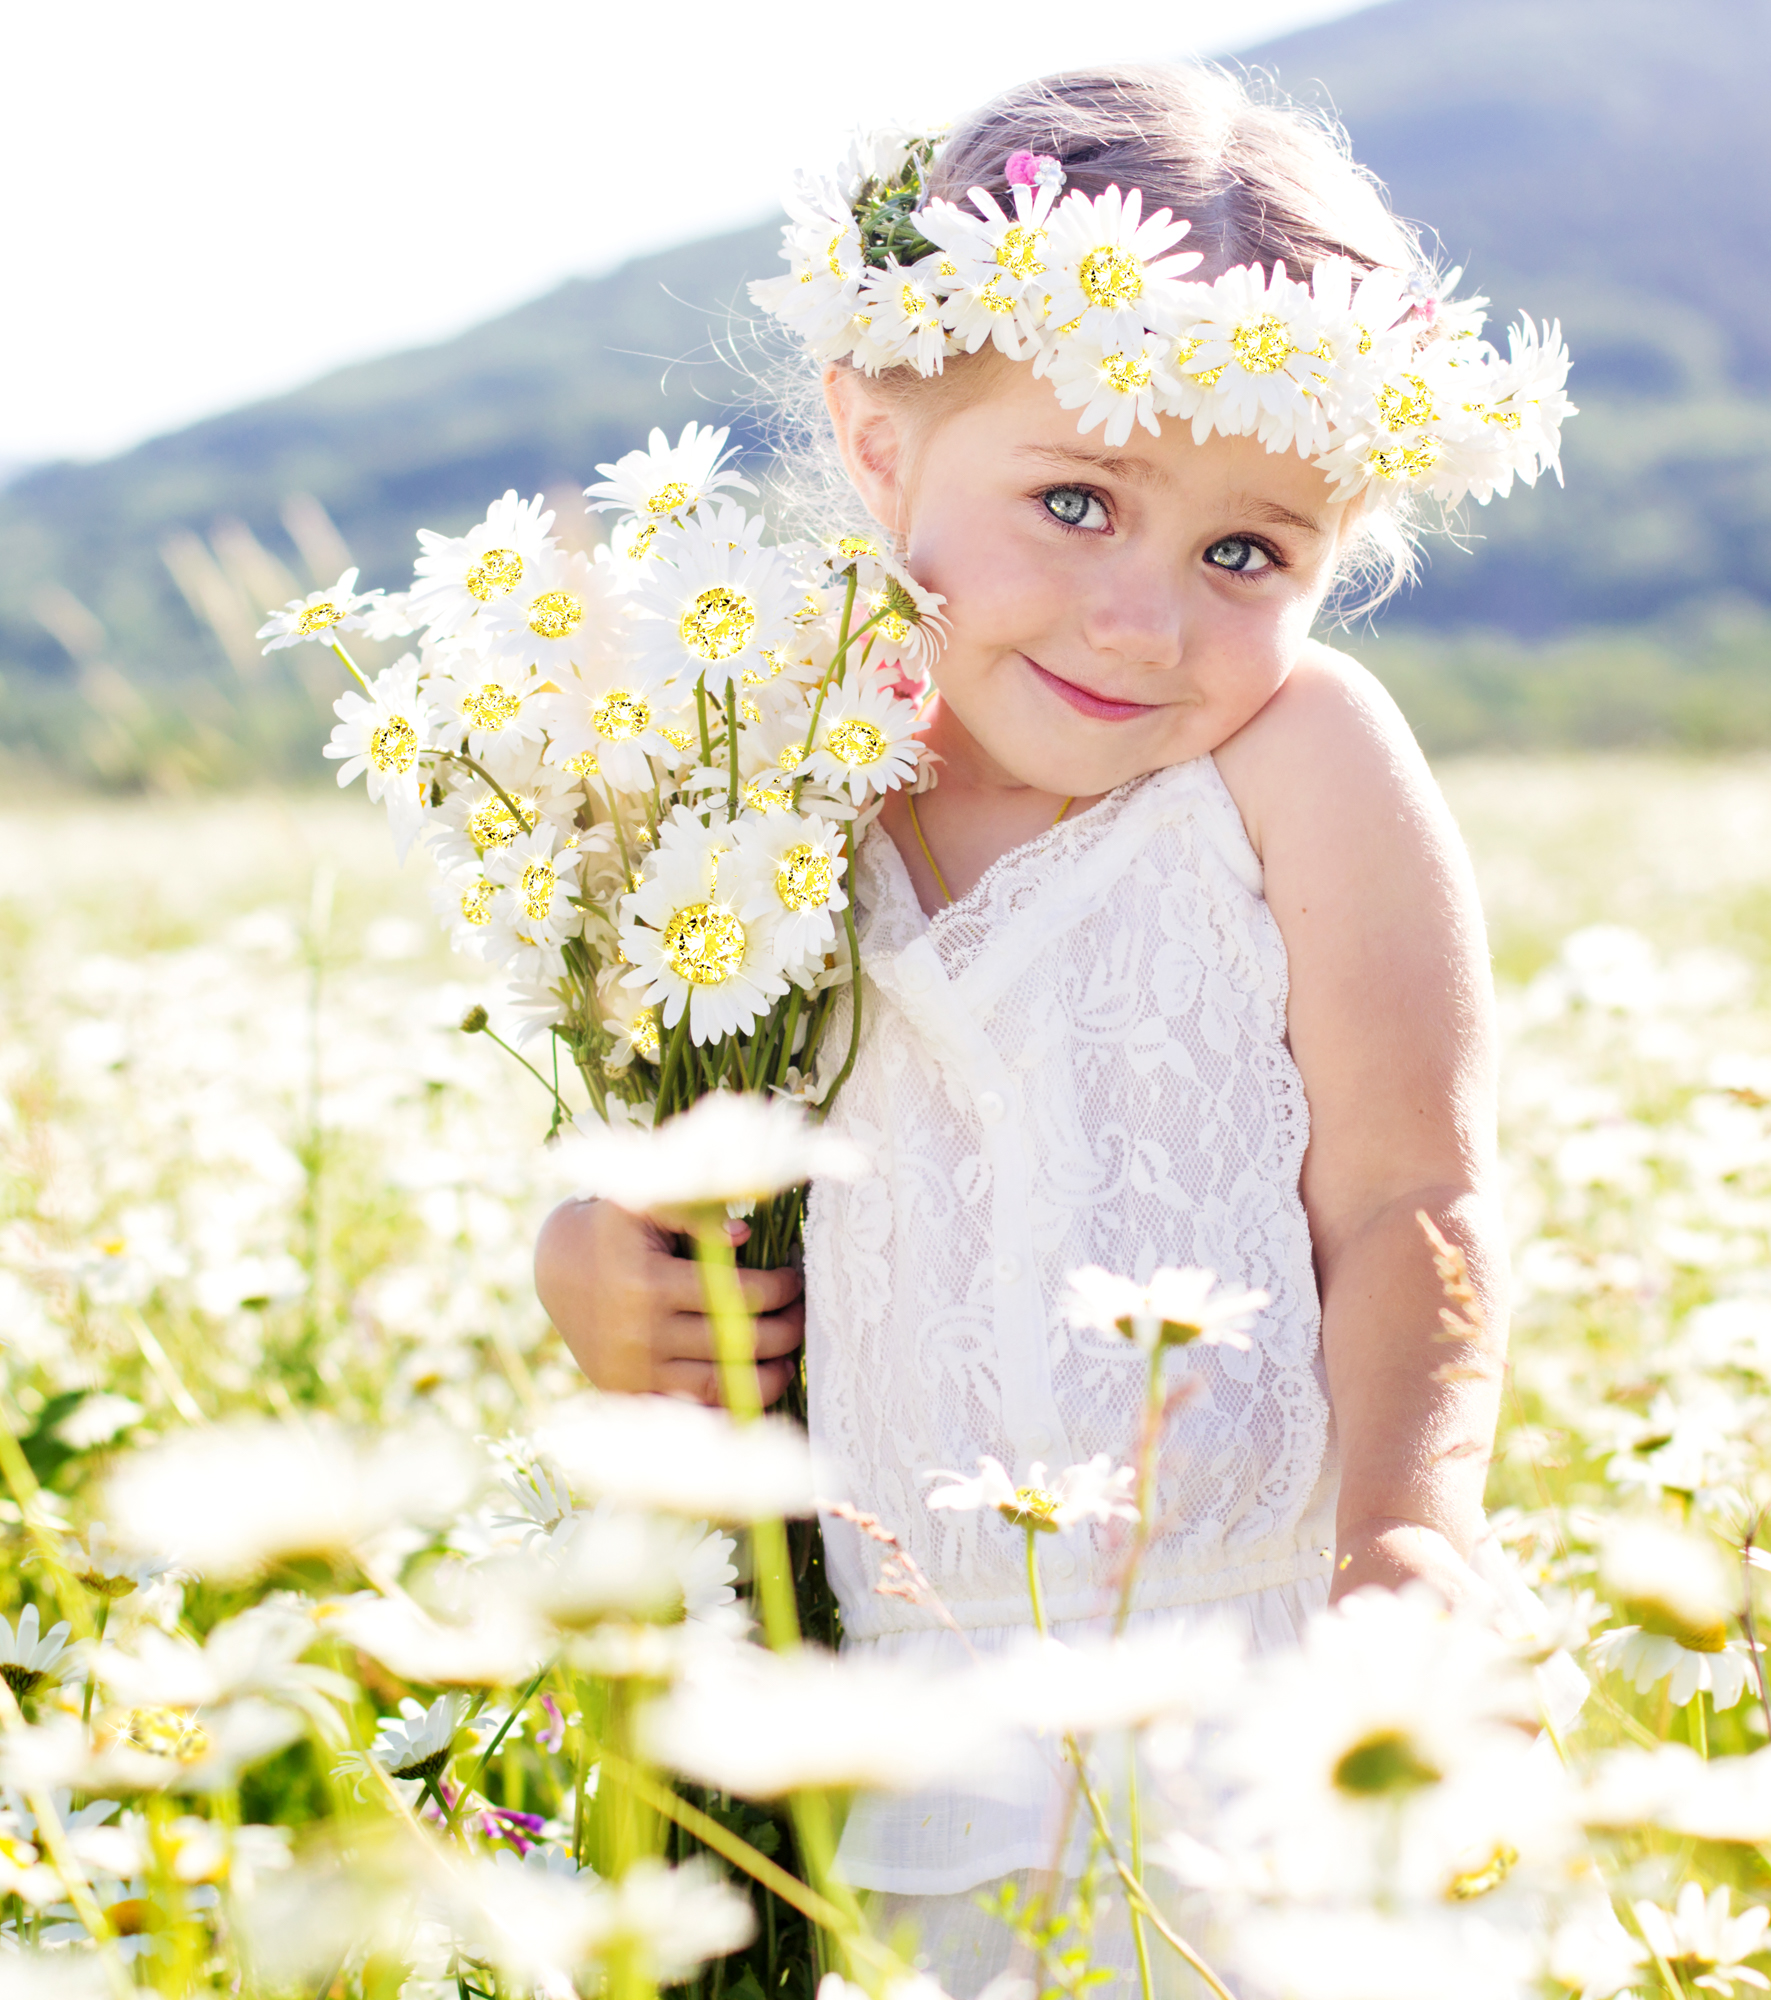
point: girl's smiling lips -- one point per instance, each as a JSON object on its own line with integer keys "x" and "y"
{"x": 1087, "y": 702}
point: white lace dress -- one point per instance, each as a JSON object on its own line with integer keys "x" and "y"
{"x": 1082, "y": 1061}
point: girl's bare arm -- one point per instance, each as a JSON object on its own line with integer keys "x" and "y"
{"x": 1391, "y": 1025}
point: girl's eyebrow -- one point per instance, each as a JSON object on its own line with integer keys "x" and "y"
{"x": 1279, "y": 517}
{"x": 1139, "y": 471}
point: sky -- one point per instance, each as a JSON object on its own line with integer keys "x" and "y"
{"x": 214, "y": 200}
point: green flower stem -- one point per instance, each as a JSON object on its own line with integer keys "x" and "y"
{"x": 701, "y": 712}
{"x": 104, "y": 1618}
{"x": 1139, "y": 1942}
{"x": 155, "y": 1355}
{"x": 523, "y": 823}
{"x": 362, "y": 679}
{"x": 1149, "y": 1436}
{"x": 516, "y": 1055}
{"x": 479, "y": 1771}
{"x": 732, "y": 750}
{"x": 1033, "y": 1593}
{"x": 848, "y": 924}
{"x": 23, "y": 1483}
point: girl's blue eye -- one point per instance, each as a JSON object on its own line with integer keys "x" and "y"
{"x": 1075, "y": 506}
{"x": 1238, "y": 553}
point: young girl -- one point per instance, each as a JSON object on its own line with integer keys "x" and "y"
{"x": 1179, "y": 963}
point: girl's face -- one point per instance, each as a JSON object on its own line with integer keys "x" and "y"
{"x": 1114, "y": 610}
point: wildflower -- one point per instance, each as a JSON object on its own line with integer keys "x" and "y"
{"x": 647, "y": 1452}
{"x": 902, "y": 306}
{"x": 667, "y": 482}
{"x": 29, "y": 1657}
{"x": 1701, "y": 1942}
{"x": 606, "y": 723}
{"x": 713, "y": 609}
{"x": 1116, "y": 385}
{"x": 866, "y": 738}
{"x": 225, "y": 1500}
{"x": 459, "y": 576}
{"x": 486, "y": 701}
{"x": 417, "y": 1745}
{"x": 106, "y": 1570}
{"x": 1670, "y": 1786}
{"x": 790, "y": 869}
{"x": 1259, "y": 360}
{"x": 1112, "y": 274}
{"x": 383, "y": 737}
{"x": 728, "y": 1147}
{"x": 1095, "y": 1491}
{"x": 319, "y": 615}
{"x": 1175, "y": 1308}
{"x": 1724, "y": 1672}
{"x": 555, "y": 619}
{"x": 493, "y": 1643}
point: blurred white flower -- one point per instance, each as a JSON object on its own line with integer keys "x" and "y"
{"x": 1174, "y": 1308}
{"x": 1094, "y": 1491}
{"x": 1725, "y": 1798}
{"x": 321, "y": 614}
{"x": 1700, "y": 1941}
{"x": 666, "y": 481}
{"x": 1722, "y": 1672}
{"x": 226, "y": 1500}
{"x": 729, "y": 1147}
{"x": 256, "y": 1653}
{"x": 494, "y": 1643}
{"x": 763, "y": 1724}
{"x": 1451, "y": 1954}
{"x": 459, "y": 575}
{"x": 678, "y": 1458}
{"x": 31, "y": 1657}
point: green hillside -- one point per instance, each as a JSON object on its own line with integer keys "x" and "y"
{"x": 1599, "y": 159}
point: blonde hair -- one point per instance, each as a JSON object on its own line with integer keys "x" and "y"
{"x": 1260, "y": 179}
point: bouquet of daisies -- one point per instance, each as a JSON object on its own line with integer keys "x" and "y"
{"x": 642, "y": 775}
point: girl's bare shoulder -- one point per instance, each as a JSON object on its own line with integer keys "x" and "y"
{"x": 1329, "y": 755}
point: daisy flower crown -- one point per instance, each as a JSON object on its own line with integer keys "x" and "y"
{"x": 1375, "y": 376}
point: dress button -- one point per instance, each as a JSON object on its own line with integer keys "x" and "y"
{"x": 1008, "y": 1269}
{"x": 991, "y": 1107}
{"x": 1063, "y": 1564}
{"x": 1039, "y": 1439}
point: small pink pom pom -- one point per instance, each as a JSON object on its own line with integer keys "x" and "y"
{"x": 1022, "y": 169}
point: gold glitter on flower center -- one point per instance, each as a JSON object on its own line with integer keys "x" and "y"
{"x": 1111, "y": 277}
{"x": 476, "y": 904}
{"x": 704, "y": 945}
{"x": 318, "y": 618}
{"x": 535, "y": 891}
{"x": 620, "y": 717}
{"x": 856, "y": 741}
{"x": 1018, "y": 252}
{"x": 668, "y": 498}
{"x": 1263, "y": 345}
{"x": 556, "y": 614}
{"x": 496, "y": 574}
{"x": 643, "y": 1033}
{"x": 164, "y": 1732}
{"x": 1128, "y": 373}
{"x": 1474, "y": 1882}
{"x": 1032, "y": 1507}
{"x": 490, "y": 824}
{"x": 394, "y": 745}
{"x": 1407, "y": 406}
{"x": 852, "y": 546}
{"x": 584, "y": 765}
{"x": 1406, "y": 461}
{"x": 718, "y": 624}
{"x": 805, "y": 877}
{"x": 489, "y": 706}
{"x": 760, "y": 796}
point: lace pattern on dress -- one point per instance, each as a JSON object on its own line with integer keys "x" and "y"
{"x": 1081, "y": 1061}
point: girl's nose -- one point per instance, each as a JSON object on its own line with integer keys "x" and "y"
{"x": 1137, "y": 616}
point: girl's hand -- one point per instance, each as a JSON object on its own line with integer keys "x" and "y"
{"x": 1393, "y": 1553}
{"x": 632, "y": 1312}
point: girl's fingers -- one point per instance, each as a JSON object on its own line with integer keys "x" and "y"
{"x": 699, "y": 1380}
{"x": 677, "y": 1284}
{"x": 689, "y": 1337}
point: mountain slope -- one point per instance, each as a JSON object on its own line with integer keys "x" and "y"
{"x": 1596, "y": 159}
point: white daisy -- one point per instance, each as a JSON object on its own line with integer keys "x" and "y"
{"x": 1701, "y": 1942}
{"x": 822, "y": 248}
{"x": 487, "y": 701}
{"x": 667, "y": 481}
{"x": 1111, "y": 279}
{"x": 690, "y": 949}
{"x": 106, "y": 1570}
{"x": 907, "y": 620}
{"x": 382, "y": 738}
{"x": 1512, "y": 413}
{"x": 1095, "y": 1491}
{"x": 475, "y": 818}
{"x": 1362, "y": 310}
{"x": 463, "y": 902}
{"x": 1174, "y": 1308}
{"x": 606, "y": 723}
{"x": 866, "y": 739}
{"x": 29, "y": 1657}
{"x": 558, "y": 617}
{"x": 903, "y": 308}
{"x": 1258, "y": 359}
{"x": 999, "y": 260}
{"x": 535, "y": 874}
{"x": 419, "y": 1743}
{"x": 321, "y": 615}
{"x": 460, "y": 576}
{"x": 790, "y": 868}
{"x": 631, "y": 1025}
{"x": 1724, "y": 1673}
{"x": 711, "y": 612}
{"x": 1117, "y": 385}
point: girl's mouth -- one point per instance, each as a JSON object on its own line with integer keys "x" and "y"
{"x": 1086, "y": 702}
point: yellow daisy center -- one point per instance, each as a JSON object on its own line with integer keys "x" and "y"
{"x": 718, "y": 624}
{"x": 584, "y": 765}
{"x": 476, "y": 903}
{"x": 789, "y": 756}
{"x": 1128, "y": 373}
{"x": 490, "y": 823}
{"x": 496, "y": 574}
{"x": 1018, "y": 252}
{"x": 1111, "y": 277}
{"x": 164, "y": 1732}
{"x": 556, "y": 614}
{"x": 489, "y": 706}
{"x": 1406, "y": 461}
{"x": 761, "y": 796}
{"x": 805, "y": 877}
{"x": 620, "y": 717}
{"x": 1474, "y": 1882}
{"x": 1262, "y": 346}
{"x": 852, "y": 546}
{"x": 1404, "y": 406}
{"x": 1032, "y": 1507}
{"x": 668, "y": 499}
{"x": 535, "y": 891}
{"x": 856, "y": 741}
{"x": 318, "y": 618}
{"x": 704, "y": 945}
{"x": 836, "y": 270}
{"x": 393, "y": 745}
{"x": 642, "y": 1031}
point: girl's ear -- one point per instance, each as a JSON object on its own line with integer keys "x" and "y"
{"x": 870, "y": 438}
